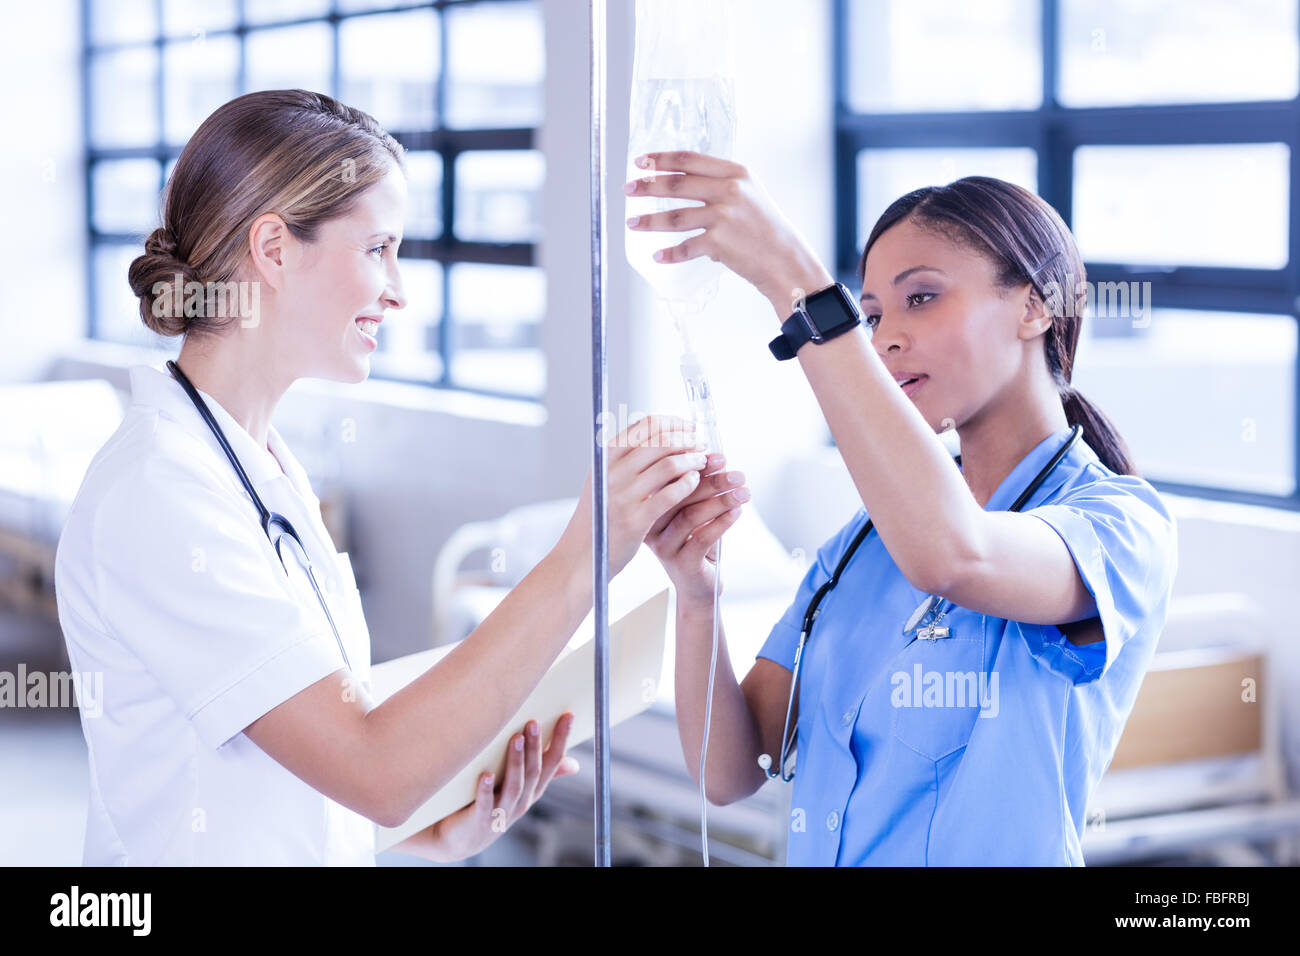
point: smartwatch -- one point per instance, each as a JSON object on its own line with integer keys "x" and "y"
{"x": 822, "y": 316}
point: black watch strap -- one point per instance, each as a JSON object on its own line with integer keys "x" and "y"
{"x": 823, "y": 316}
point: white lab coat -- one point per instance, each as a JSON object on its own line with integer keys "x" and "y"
{"x": 167, "y": 585}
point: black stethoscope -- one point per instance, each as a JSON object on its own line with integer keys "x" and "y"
{"x": 276, "y": 526}
{"x": 925, "y": 620}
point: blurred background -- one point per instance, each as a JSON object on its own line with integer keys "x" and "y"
{"x": 1165, "y": 133}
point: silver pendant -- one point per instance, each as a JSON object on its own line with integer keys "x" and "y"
{"x": 919, "y": 614}
{"x": 931, "y": 631}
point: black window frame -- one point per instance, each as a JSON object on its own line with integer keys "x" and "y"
{"x": 1054, "y": 131}
{"x": 448, "y": 142}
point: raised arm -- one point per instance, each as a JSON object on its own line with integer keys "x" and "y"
{"x": 1005, "y": 564}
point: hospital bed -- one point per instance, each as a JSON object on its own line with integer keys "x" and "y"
{"x": 51, "y": 432}
{"x": 1199, "y": 772}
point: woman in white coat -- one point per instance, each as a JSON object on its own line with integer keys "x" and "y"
{"x": 236, "y": 727}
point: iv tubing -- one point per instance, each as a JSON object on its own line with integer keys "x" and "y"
{"x": 701, "y": 400}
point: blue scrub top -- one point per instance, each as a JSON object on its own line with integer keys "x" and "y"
{"x": 981, "y": 748}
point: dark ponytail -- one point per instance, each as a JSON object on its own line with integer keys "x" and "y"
{"x": 1098, "y": 431}
{"x": 1028, "y": 243}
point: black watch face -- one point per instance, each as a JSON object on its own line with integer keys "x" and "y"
{"x": 832, "y": 310}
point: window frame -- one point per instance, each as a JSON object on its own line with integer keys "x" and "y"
{"x": 1054, "y": 131}
{"x": 448, "y": 142}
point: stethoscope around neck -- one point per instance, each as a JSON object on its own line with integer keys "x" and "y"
{"x": 924, "y": 620}
{"x": 277, "y": 527}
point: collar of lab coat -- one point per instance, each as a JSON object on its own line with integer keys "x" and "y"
{"x": 286, "y": 491}
{"x": 154, "y": 386}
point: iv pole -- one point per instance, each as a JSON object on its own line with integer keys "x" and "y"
{"x": 599, "y": 399}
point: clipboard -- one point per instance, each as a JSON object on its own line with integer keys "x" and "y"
{"x": 636, "y": 653}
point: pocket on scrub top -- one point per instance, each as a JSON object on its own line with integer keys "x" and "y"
{"x": 935, "y": 691}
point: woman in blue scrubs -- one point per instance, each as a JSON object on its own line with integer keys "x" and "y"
{"x": 981, "y": 744}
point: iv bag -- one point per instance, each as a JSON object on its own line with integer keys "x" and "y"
{"x": 683, "y": 97}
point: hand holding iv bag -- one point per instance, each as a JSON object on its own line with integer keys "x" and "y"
{"x": 682, "y": 98}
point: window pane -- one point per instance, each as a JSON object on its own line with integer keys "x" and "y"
{"x": 350, "y": 6}
{"x": 886, "y": 174}
{"x": 186, "y": 18}
{"x": 498, "y": 195}
{"x": 122, "y": 21}
{"x": 495, "y": 62}
{"x": 408, "y": 338}
{"x": 424, "y": 194}
{"x": 290, "y": 57}
{"x": 117, "y": 310}
{"x": 124, "y": 98}
{"x": 126, "y": 195}
{"x": 498, "y": 313}
{"x": 1221, "y": 205}
{"x": 265, "y": 11}
{"x": 390, "y": 66}
{"x": 1116, "y": 52}
{"x": 917, "y": 55}
{"x": 201, "y": 75}
{"x": 517, "y": 372}
{"x": 1203, "y": 397}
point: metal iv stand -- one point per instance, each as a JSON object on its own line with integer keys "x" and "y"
{"x": 599, "y": 399}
